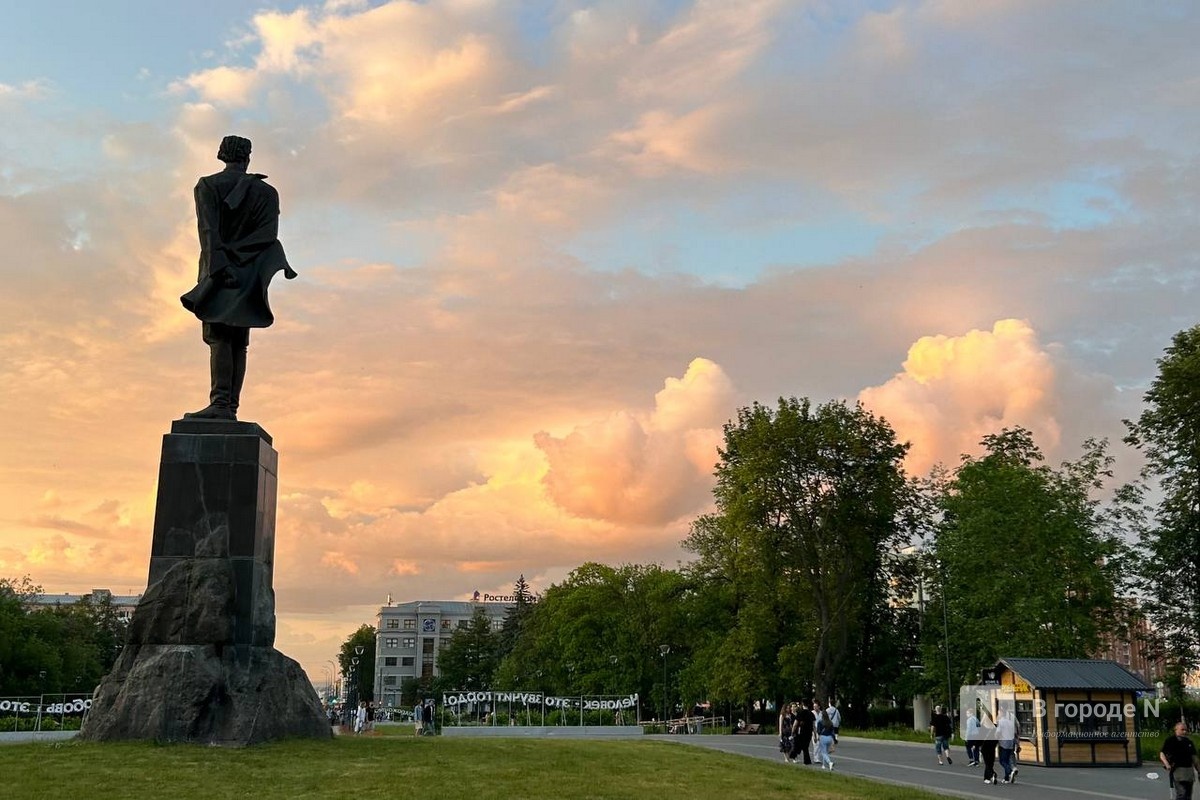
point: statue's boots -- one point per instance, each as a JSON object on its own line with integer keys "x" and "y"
{"x": 238, "y": 378}
{"x": 227, "y": 369}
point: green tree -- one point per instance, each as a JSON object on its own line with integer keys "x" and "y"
{"x": 1023, "y": 560}
{"x": 364, "y": 671}
{"x": 66, "y": 648}
{"x": 470, "y": 658}
{"x": 516, "y": 618}
{"x": 599, "y": 632}
{"x": 410, "y": 691}
{"x": 1168, "y": 435}
{"x": 809, "y": 501}
{"x": 20, "y": 659}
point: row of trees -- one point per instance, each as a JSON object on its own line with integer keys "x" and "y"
{"x": 826, "y": 571}
{"x": 51, "y": 650}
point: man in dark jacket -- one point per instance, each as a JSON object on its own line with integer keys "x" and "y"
{"x": 1178, "y": 755}
{"x": 237, "y": 214}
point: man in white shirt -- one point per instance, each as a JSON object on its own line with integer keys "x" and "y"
{"x": 835, "y": 717}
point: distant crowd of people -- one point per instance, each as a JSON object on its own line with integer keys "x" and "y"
{"x": 809, "y": 732}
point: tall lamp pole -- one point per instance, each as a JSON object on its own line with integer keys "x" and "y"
{"x": 946, "y": 638}
{"x": 664, "y": 649}
{"x": 352, "y": 694}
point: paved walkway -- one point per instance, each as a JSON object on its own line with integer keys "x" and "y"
{"x": 912, "y": 764}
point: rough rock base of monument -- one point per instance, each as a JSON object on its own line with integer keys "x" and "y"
{"x": 204, "y": 694}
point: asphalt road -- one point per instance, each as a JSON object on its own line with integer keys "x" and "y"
{"x": 911, "y": 764}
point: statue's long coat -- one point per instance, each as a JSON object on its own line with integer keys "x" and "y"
{"x": 238, "y": 218}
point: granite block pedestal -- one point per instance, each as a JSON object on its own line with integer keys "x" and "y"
{"x": 200, "y": 665}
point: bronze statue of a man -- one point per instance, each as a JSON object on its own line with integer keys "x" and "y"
{"x": 237, "y": 213}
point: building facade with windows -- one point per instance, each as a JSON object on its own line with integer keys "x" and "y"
{"x": 409, "y": 637}
{"x": 1130, "y": 646}
{"x": 123, "y": 604}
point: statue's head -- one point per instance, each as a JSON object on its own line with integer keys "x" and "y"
{"x": 234, "y": 150}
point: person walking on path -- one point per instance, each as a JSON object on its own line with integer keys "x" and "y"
{"x": 1006, "y": 734}
{"x": 825, "y": 740}
{"x": 987, "y": 746}
{"x": 805, "y": 727}
{"x": 835, "y": 717}
{"x": 787, "y": 732}
{"x": 972, "y": 739}
{"x": 941, "y": 728}
{"x": 427, "y": 717}
{"x": 1178, "y": 755}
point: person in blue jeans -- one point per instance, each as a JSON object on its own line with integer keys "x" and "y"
{"x": 824, "y": 740}
{"x": 941, "y": 728}
{"x": 1006, "y": 732}
{"x": 972, "y": 739}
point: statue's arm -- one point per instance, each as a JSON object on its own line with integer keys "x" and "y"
{"x": 212, "y": 259}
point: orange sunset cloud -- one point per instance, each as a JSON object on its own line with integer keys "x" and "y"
{"x": 954, "y": 390}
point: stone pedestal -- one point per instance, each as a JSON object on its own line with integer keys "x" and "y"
{"x": 216, "y": 499}
{"x": 200, "y": 664}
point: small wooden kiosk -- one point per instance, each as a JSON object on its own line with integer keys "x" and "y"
{"x": 1073, "y": 712}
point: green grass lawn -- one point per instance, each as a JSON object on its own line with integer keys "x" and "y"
{"x": 434, "y": 767}
{"x": 900, "y": 735}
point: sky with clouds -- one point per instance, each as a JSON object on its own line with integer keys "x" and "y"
{"x": 548, "y": 248}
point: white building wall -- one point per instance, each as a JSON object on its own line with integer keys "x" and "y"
{"x": 411, "y": 635}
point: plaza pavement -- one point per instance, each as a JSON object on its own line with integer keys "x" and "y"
{"x": 913, "y": 764}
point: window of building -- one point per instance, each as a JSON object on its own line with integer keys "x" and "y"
{"x": 390, "y": 641}
{"x": 389, "y": 680}
{"x": 407, "y": 661}
{"x": 410, "y": 624}
{"x": 393, "y": 623}
{"x": 409, "y": 642}
{"x": 389, "y": 661}
{"x": 463, "y": 623}
{"x": 427, "y": 658}
{"x": 445, "y": 624}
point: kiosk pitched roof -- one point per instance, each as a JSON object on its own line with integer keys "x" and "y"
{"x": 1074, "y": 673}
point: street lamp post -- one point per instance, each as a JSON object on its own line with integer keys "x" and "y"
{"x": 941, "y": 574}
{"x": 946, "y": 641}
{"x": 664, "y": 649}
{"x": 612, "y": 674}
{"x": 570, "y": 687}
{"x": 352, "y": 691}
{"x": 543, "y": 696}
{"x": 328, "y": 673}
{"x": 333, "y": 672}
